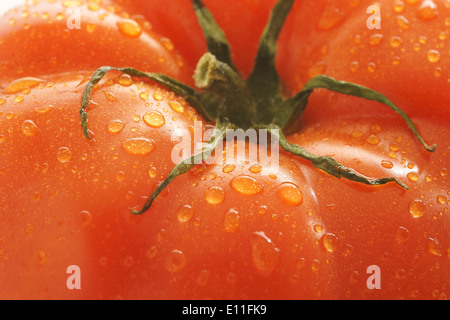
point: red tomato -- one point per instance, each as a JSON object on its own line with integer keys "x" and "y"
{"x": 219, "y": 231}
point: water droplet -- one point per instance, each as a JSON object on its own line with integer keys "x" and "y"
{"x": 22, "y": 83}
{"x": 130, "y": 28}
{"x": 402, "y": 234}
{"x": 29, "y": 128}
{"x": 399, "y": 6}
{"x": 246, "y": 185}
{"x": 42, "y": 110}
{"x": 375, "y": 39}
{"x": 433, "y": 56}
{"x": 371, "y": 67}
{"x": 290, "y": 194}
{"x": 403, "y": 23}
{"x": 84, "y": 219}
{"x": 413, "y": 177}
{"x": 441, "y": 199}
{"x": 157, "y": 96}
{"x": 120, "y": 176}
{"x": 125, "y": 80}
{"x": 330, "y": 242}
{"x": 64, "y": 155}
{"x": 354, "y": 66}
{"x": 318, "y": 228}
{"x": 144, "y": 95}
{"x": 19, "y": 99}
{"x": 110, "y": 96}
{"x": 427, "y": 10}
{"x": 139, "y": 146}
{"x": 256, "y": 168}
{"x": 41, "y": 257}
{"x": 115, "y": 126}
{"x": 214, "y": 195}
{"x": 387, "y": 164}
{"x": 185, "y": 213}
{"x": 154, "y": 119}
{"x": 434, "y": 247}
{"x": 167, "y": 43}
{"x": 232, "y": 220}
{"x": 2, "y": 101}
{"x": 152, "y": 173}
{"x": 417, "y": 208}
{"x": 175, "y": 261}
{"x": 395, "y": 42}
{"x": 228, "y": 168}
{"x": 373, "y": 139}
{"x": 176, "y": 106}
{"x": 265, "y": 255}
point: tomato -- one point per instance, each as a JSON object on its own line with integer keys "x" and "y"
{"x": 221, "y": 230}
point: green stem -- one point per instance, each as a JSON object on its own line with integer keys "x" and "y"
{"x": 219, "y": 78}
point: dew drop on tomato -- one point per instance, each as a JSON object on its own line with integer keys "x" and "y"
{"x": 228, "y": 168}
{"x": 290, "y": 194}
{"x": 413, "y": 177}
{"x": 21, "y": 84}
{"x": 433, "y": 247}
{"x": 265, "y": 254}
{"x": 154, "y": 119}
{"x": 427, "y": 10}
{"x": 84, "y": 218}
{"x": 185, "y": 213}
{"x": 246, "y": 185}
{"x": 417, "y": 208}
{"x": 232, "y": 221}
{"x": 115, "y": 126}
{"x": 125, "y": 80}
{"x": 215, "y": 195}
{"x": 402, "y": 234}
{"x": 176, "y": 106}
{"x": 330, "y": 242}
{"x": 129, "y": 28}
{"x": 29, "y": 128}
{"x": 64, "y": 155}
{"x": 433, "y": 56}
{"x": 387, "y": 164}
{"x": 138, "y": 146}
{"x": 175, "y": 261}
{"x": 42, "y": 110}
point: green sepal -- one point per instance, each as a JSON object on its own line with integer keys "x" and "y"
{"x": 187, "y": 164}
{"x": 190, "y": 94}
{"x": 215, "y": 37}
{"x": 298, "y": 102}
{"x": 325, "y": 163}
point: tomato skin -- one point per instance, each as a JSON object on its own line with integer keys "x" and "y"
{"x": 94, "y": 43}
{"x": 393, "y": 60}
{"x": 72, "y": 197}
{"x": 53, "y": 179}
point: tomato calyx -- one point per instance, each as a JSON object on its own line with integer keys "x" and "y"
{"x": 231, "y": 102}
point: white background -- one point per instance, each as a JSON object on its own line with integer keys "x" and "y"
{"x": 8, "y": 4}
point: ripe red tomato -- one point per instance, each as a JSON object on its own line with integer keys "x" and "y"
{"x": 219, "y": 231}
